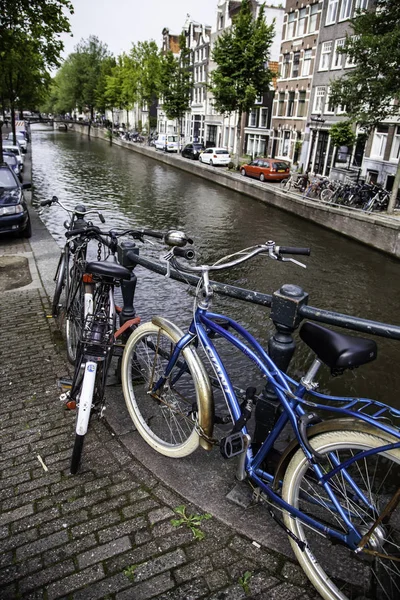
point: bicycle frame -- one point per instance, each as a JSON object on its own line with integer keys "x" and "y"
{"x": 291, "y": 401}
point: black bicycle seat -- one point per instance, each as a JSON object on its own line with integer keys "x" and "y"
{"x": 336, "y": 350}
{"x": 109, "y": 269}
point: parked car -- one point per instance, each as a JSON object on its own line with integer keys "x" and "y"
{"x": 167, "y": 142}
{"x": 11, "y": 160}
{"x": 193, "y": 150}
{"x": 14, "y": 215}
{"x": 8, "y": 147}
{"x": 266, "y": 169}
{"x": 21, "y": 139}
{"x": 215, "y": 156}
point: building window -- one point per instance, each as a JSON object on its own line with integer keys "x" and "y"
{"x": 301, "y": 107}
{"x": 331, "y": 13}
{"x": 221, "y": 21}
{"x": 312, "y": 22}
{"x": 291, "y": 25}
{"x": 337, "y": 60}
{"x": 361, "y": 5}
{"x": 319, "y": 100}
{"x": 301, "y": 27}
{"x": 350, "y": 62}
{"x": 264, "y": 117}
{"x": 290, "y": 106}
{"x": 379, "y": 141}
{"x": 306, "y": 62}
{"x": 345, "y": 9}
{"x": 253, "y": 118}
{"x": 325, "y": 56}
{"x": 296, "y": 64}
{"x": 259, "y": 99}
{"x": 329, "y": 107}
{"x": 286, "y": 143}
{"x": 395, "y": 153}
{"x": 286, "y": 66}
{"x": 281, "y": 104}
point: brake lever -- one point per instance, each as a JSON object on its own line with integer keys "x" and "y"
{"x": 296, "y": 262}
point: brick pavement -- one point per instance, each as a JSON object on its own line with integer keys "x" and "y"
{"x": 107, "y": 532}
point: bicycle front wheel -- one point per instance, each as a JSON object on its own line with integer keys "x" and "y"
{"x": 75, "y": 314}
{"x": 326, "y": 195}
{"x": 60, "y": 279}
{"x": 336, "y": 571}
{"x": 166, "y": 419}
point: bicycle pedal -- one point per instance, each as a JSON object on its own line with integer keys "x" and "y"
{"x": 232, "y": 445}
{"x": 64, "y": 384}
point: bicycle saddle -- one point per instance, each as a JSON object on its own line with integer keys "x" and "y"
{"x": 108, "y": 269}
{"x": 336, "y": 350}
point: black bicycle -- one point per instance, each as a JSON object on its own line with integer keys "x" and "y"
{"x": 68, "y": 299}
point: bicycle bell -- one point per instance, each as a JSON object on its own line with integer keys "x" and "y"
{"x": 177, "y": 238}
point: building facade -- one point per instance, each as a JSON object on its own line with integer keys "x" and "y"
{"x": 319, "y": 154}
{"x": 296, "y": 67}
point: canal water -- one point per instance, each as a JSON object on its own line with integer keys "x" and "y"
{"x": 135, "y": 191}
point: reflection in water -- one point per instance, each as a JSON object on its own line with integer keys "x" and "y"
{"x": 132, "y": 190}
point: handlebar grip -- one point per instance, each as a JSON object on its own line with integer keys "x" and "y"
{"x": 83, "y": 230}
{"x": 294, "y": 250}
{"x": 187, "y": 253}
{"x": 155, "y": 234}
{"x": 45, "y": 203}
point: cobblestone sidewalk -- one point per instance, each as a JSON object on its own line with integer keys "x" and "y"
{"x": 107, "y": 532}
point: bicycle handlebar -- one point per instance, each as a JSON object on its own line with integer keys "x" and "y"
{"x": 269, "y": 248}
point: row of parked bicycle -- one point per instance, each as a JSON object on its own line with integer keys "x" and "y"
{"x": 359, "y": 195}
{"x": 335, "y": 488}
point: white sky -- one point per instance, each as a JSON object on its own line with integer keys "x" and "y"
{"x": 118, "y": 23}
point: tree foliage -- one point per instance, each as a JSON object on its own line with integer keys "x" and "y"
{"x": 176, "y": 81}
{"x": 242, "y": 54}
{"x": 342, "y": 134}
{"x": 81, "y": 80}
{"x": 40, "y": 20}
{"x": 371, "y": 91}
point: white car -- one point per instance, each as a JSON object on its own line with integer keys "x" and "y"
{"x": 21, "y": 139}
{"x": 7, "y": 147}
{"x": 215, "y": 156}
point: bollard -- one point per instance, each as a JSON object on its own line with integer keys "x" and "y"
{"x": 285, "y": 314}
{"x": 125, "y": 250}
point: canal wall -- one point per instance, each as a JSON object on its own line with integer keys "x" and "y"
{"x": 376, "y": 230}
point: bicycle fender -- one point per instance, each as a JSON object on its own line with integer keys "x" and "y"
{"x": 202, "y": 381}
{"x": 344, "y": 424}
{"x": 85, "y": 401}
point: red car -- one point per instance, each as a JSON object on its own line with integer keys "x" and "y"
{"x": 266, "y": 169}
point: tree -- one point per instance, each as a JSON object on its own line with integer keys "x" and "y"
{"x": 176, "y": 82}
{"x": 371, "y": 91}
{"x": 143, "y": 73}
{"x": 88, "y": 59}
{"x": 35, "y": 25}
{"x": 242, "y": 54}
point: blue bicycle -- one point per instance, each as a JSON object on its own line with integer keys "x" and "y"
{"x": 337, "y": 483}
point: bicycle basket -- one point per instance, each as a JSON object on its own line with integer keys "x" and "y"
{"x": 97, "y": 334}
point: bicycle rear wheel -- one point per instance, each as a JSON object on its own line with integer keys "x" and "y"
{"x": 167, "y": 418}
{"x": 335, "y": 570}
